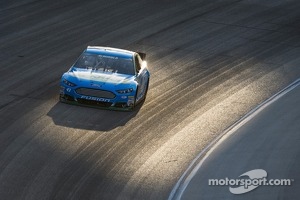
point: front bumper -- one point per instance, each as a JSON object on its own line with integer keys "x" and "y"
{"x": 119, "y": 102}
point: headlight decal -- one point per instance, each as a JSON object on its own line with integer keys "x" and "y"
{"x": 129, "y": 90}
{"x": 68, "y": 83}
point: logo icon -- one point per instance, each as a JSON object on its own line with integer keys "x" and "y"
{"x": 256, "y": 176}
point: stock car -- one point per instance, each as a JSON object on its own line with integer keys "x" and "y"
{"x": 106, "y": 77}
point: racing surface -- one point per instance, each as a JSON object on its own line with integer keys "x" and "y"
{"x": 210, "y": 63}
{"x": 249, "y": 146}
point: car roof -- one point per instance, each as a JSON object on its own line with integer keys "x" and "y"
{"x": 109, "y": 51}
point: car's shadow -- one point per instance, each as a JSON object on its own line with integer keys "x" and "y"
{"x": 81, "y": 117}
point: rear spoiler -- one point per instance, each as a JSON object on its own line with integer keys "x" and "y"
{"x": 142, "y": 55}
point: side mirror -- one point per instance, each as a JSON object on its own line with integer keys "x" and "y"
{"x": 142, "y": 55}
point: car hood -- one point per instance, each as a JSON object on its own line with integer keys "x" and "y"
{"x": 91, "y": 77}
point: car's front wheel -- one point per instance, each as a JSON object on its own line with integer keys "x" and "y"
{"x": 146, "y": 90}
{"x": 134, "y": 101}
{"x": 143, "y": 98}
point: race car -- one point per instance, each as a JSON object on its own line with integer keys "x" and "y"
{"x": 106, "y": 77}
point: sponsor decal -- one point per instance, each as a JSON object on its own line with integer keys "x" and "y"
{"x": 130, "y": 100}
{"x": 106, "y": 56}
{"x": 95, "y": 85}
{"x": 94, "y": 98}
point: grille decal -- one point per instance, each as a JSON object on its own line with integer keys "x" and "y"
{"x": 95, "y": 93}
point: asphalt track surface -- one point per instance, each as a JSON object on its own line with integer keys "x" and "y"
{"x": 210, "y": 61}
{"x": 268, "y": 140}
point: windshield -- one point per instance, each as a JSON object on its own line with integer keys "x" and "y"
{"x": 105, "y": 63}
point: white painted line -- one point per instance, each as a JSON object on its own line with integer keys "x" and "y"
{"x": 192, "y": 169}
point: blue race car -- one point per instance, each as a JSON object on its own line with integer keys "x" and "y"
{"x": 106, "y": 77}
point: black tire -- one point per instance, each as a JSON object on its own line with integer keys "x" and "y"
{"x": 134, "y": 103}
{"x": 144, "y": 98}
{"x": 62, "y": 99}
